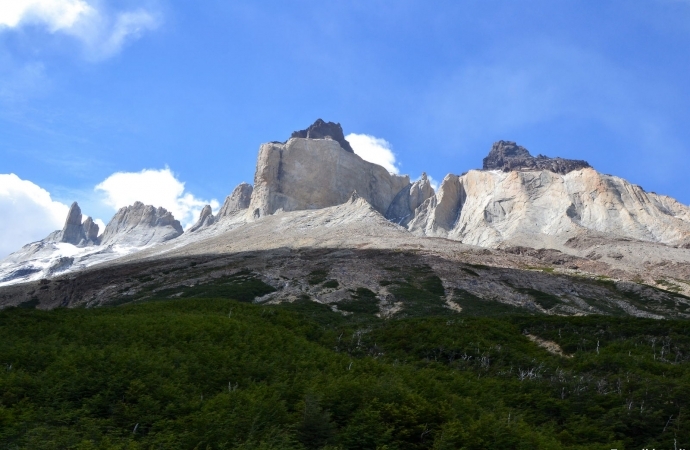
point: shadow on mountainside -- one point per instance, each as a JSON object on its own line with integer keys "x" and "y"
{"x": 381, "y": 283}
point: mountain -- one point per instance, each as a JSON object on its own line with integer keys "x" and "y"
{"x": 535, "y": 303}
{"x": 78, "y": 244}
{"x": 541, "y": 208}
{"x": 546, "y": 235}
{"x": 307, "y": 173}
{"x": 139, "y": 225}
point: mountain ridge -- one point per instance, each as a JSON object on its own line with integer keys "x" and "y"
{"x": 311, "y": 193}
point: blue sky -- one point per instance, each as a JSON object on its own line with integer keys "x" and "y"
{"x": 90, "y": 88}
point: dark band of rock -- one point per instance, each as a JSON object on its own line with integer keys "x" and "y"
{"x": 323, "y": 130}
{"x": 508, "y": 156}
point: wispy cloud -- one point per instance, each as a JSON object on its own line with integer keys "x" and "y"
{"x": 102, "y": 31}
{"x": 538, "y": 83}
{"x": 374, "y": 150}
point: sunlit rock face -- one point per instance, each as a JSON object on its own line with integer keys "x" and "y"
{"x": 206, "y": 219}
{"x": 74, "y": 231}
{"x": 540, "y": 208}
{"x": 402, "y": 209}
{"x": 138, "y": 225}
{"x": 78, "y": 245}
{"x": 238, "y": 200}
{"x": 306, "y": 173}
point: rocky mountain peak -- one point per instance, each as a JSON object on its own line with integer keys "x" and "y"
{"x": 323, "y": 130}
{"x": 508, "y": 156}
{"x": 75, "y": 232}
{"x": 90, "y": 230}
{"x": 304, "y": 174}
{"x": 238, "y": 200}
{"x": 206, "y": 219}
{"x": 72, "y": 232}
{"x": 139, "y": 225}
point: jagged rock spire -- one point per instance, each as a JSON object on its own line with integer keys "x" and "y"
{"x": 72, "y": 232}
{"x": 90, "y": 229}
{"x": 75, "y": 232}
{"x": 239, "y": 199}
{"x": 206, "y": 219}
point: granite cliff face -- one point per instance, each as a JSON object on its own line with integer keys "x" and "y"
{"x": 206, "y": 219}
{"x": 507, "y": 156}
{"x": 238, "y": 200}
{"x": 404, "y": 205}
{"x": 313, "y": 173}
{"x": 543, "y": 209}
{"x": 543, "y": 202}
{"x": 139, "y": 225}
{"x": 75, "y": 232}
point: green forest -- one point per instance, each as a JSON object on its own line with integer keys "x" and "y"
{"x": 219, "y": 372}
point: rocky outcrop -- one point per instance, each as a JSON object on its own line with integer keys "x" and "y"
{"x": 402, "y": 209}
{"x": 238, "y": 200}
{"x": 72, "y": 232}
{"x": 139, "y": 225}
{"x": 508, "y": 156}
{"x": 317, "y": 173}
{"x": 90, "y": 230}
{"x": 440, "y": 213}
{"x": 325, "y": 130}
{"x": 75, "y": 232}
{"x": 206, "y": 219}
{"x": 544, "y": 209}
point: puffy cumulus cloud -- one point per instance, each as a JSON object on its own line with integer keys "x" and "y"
{"x": 29, "y": 213}
{"x": 374, "y": 150}
{"x": 102, "y": 32}
{"x": 153, "y": 187}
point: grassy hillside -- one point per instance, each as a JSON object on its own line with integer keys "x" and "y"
{"x": 199, "y": 373}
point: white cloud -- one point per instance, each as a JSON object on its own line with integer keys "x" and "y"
{"x": 101, "y": 225}
{"x": 102, "y": 32}
{"x": 55, "y": 14}
{"x": 374, "y": 150}
{"x": 154, "y": 187}
{"x": 28, "y": 212}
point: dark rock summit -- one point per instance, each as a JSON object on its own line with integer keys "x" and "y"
{"x": 508, "y": 156}
{"x": 323, "y": 130}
